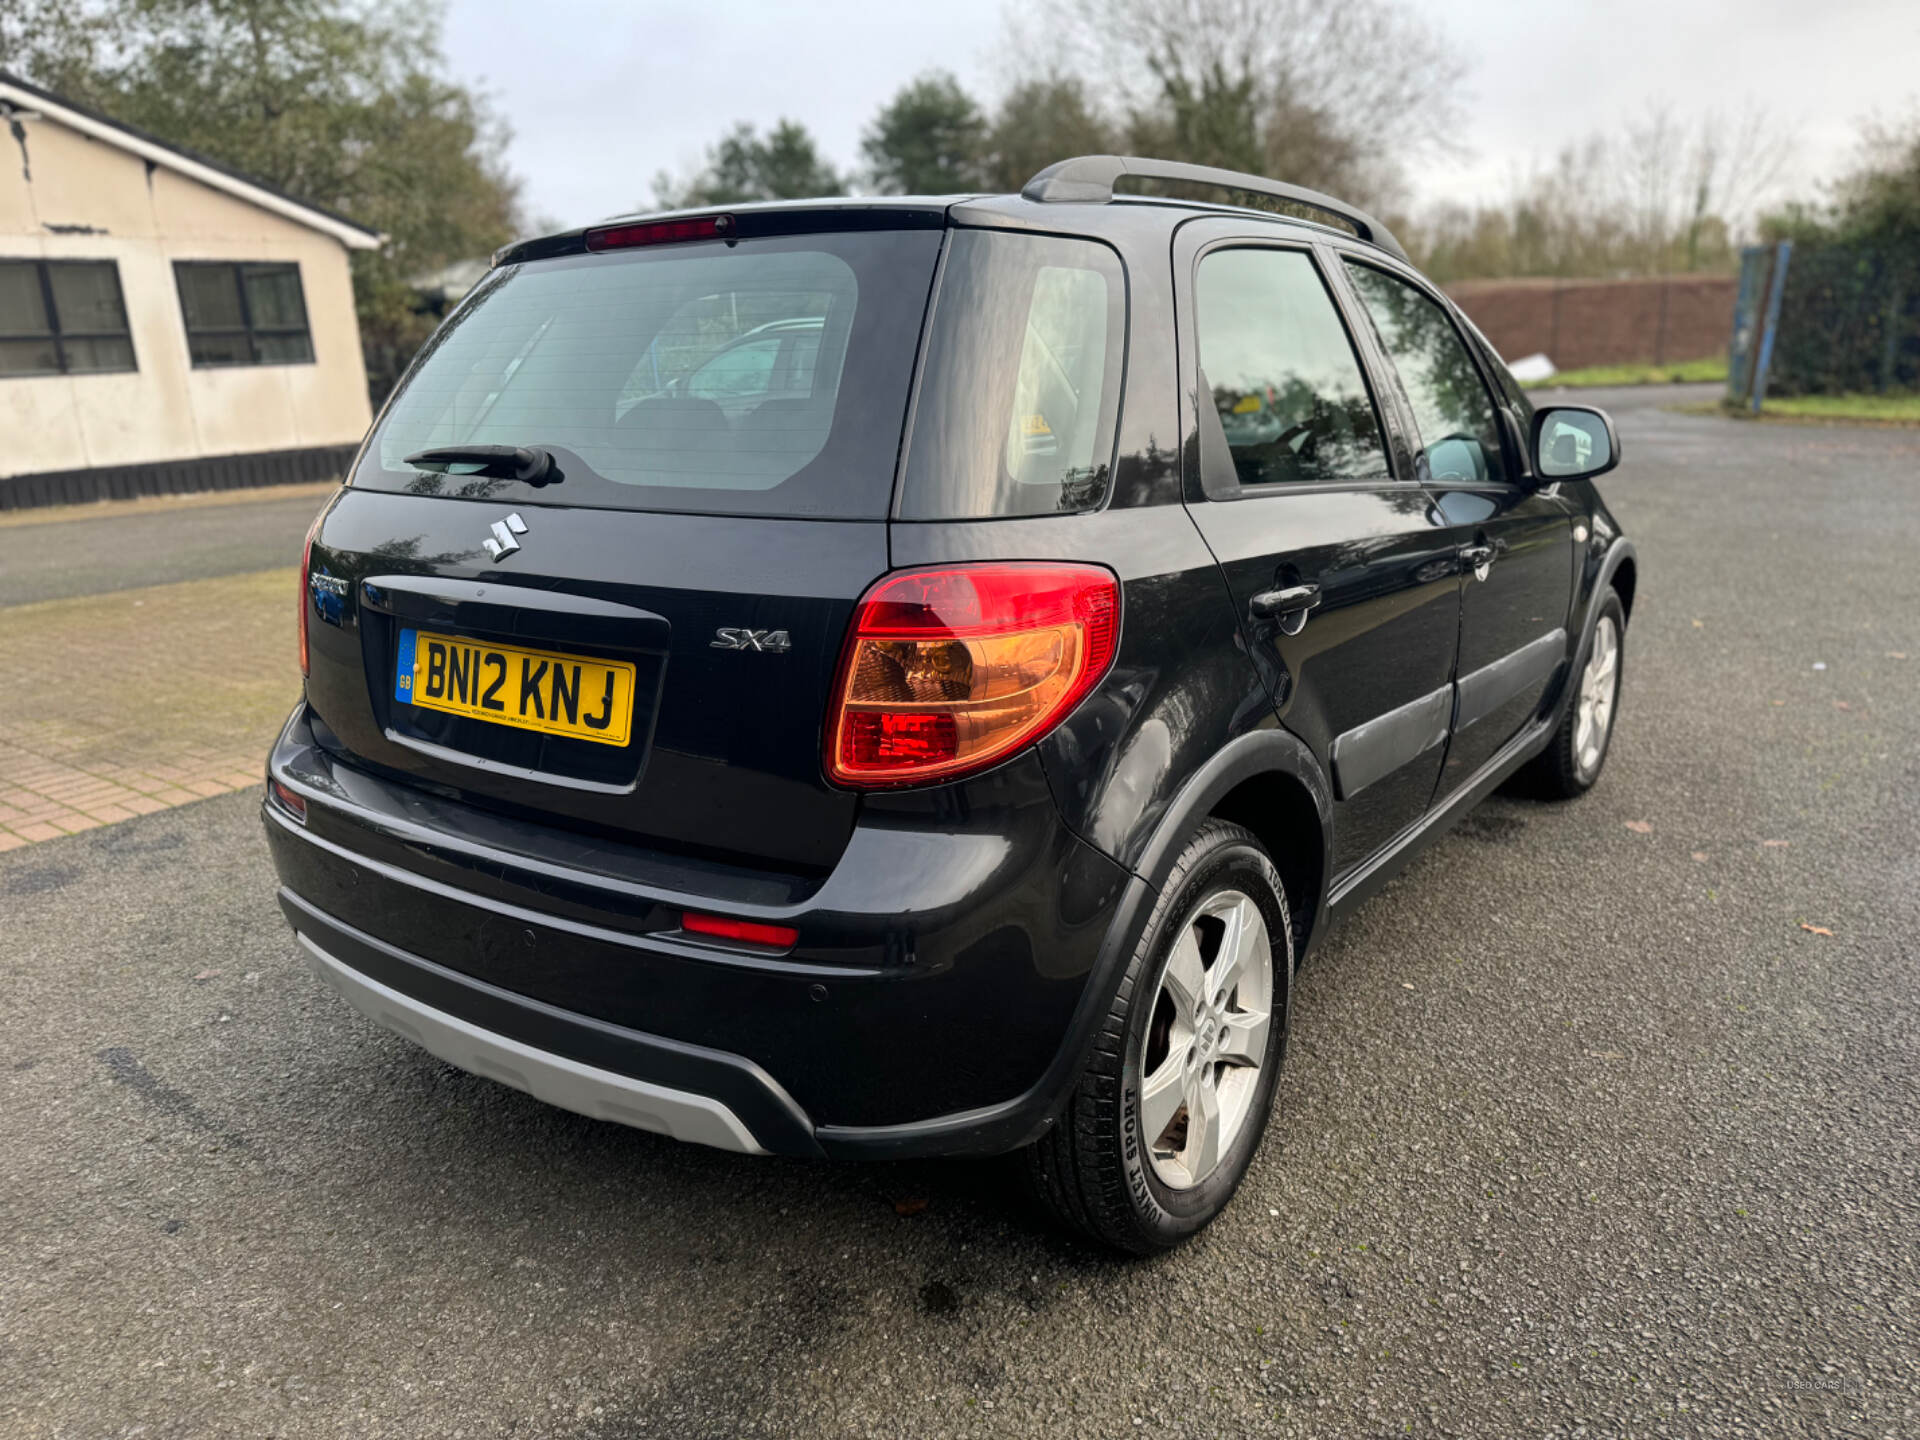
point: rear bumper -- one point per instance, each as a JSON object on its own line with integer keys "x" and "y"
{"x": 685, "y": 1114}
{"x": 947, "y": 982}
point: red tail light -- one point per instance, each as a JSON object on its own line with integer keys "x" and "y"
{"x": 306, "y": 594}
{"x": 947, "y": 671}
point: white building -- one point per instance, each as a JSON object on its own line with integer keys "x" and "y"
{"x": 165, "y": 323}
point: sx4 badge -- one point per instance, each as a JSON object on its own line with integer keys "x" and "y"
{"x": 773, "y": 642}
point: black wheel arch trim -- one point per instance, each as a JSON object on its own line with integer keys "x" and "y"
{"x": 1269, "y": 750}
{"x": 1023, "y": 1119}
{"x": 1618, "y": 553}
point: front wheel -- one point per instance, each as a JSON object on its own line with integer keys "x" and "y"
{"x": 1571, "y": 762}
{"x": 1167, "y": 1117}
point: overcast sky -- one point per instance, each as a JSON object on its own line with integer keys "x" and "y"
{"x": 602, "y": 94}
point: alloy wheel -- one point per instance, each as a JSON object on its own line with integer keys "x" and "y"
{"x": 1207, "y": 1039}
{"x": 1599, "y": 688}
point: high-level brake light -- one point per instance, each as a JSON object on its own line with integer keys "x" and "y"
{"x": 948, "y": 670}
{"x": 660, "y": 232}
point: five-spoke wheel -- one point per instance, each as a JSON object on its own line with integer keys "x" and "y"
{"x": 1207, "y": 1038}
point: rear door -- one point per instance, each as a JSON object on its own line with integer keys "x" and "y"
{"x": 1340, "y": 565}
{"x": 643, "y": 647}
{"x": 1514, "y": 539}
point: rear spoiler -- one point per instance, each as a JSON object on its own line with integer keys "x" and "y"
{"x": 744, "y": 222}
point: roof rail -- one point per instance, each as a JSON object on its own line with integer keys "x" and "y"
{"x": 1090, "y": 179}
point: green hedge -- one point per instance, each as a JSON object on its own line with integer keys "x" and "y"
{"x": 1849, "y": 321}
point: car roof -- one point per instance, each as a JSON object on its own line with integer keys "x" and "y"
{"x": 1121, "y": 219}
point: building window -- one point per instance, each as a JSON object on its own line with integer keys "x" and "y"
{"x": 243, "y": 314}
{"x": 62, "y": 317}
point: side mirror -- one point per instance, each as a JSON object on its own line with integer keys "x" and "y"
{"x": 1573, "y": 442}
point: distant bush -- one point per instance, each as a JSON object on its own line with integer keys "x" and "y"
{"x": 1850, "y": 314}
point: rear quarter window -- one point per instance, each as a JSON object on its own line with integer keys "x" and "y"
{"x": 1021, "y": 382}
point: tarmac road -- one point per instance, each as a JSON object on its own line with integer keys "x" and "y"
{"x": 1583, "y": 1132}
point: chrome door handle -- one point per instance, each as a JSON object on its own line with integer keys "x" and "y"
{"x": 1290, "y": 606}
{"x": 1477, "y": 558}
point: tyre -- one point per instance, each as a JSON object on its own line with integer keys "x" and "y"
{"x": 1171, "y": 1108}
{"x": 1573, "y": 759}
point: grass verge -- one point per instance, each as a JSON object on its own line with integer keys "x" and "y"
{"x": 1896, "y": 409}
{"x": 1713, "y": 368}
{"x": 1888, "y": 409}
{"x": 137, "y": 675}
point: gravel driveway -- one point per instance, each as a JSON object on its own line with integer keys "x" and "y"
{"x": 1602, "y": 1119}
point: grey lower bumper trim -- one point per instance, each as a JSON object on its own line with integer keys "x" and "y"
{"x": 601, "y": 1094}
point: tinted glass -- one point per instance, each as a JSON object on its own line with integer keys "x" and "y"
{"x": 1286, "y": 384}
{"x": 1450, "y": 401}
{"x": 1510, "y": 389}
{"x": 23, "y": 309}
{"x": 210, "y": 297}
{"x": 289, "y": 349}
{"x": 765, "y": 377}
{"x": 29, "y": 357}
{"x": 1022, "y": 379}
{"x": 273, "y": 297}
{"x": 739, "y": 372}
{"x": 87, "y": 313}
{"x": 87, "y": 299}
{"x": 98, "y": 354}
{"x": 228, "y": 348}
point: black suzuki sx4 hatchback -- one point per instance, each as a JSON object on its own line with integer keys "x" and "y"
{"x": 895, "y": 677}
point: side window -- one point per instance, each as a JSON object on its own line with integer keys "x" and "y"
{"x": 1451, "y": 405}
{"x": 1284, "y": 377}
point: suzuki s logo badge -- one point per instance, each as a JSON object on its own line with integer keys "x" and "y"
{"x": 501, "y": 543}
{"x": 773, "y": 642}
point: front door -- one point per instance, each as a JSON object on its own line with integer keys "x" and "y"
{"x": 1514, "y": 540}
{"x": 1344, "y": 574}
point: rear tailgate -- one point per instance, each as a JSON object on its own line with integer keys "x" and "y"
{"x": 637, "y": 634}
{"x": 723, "y": 750}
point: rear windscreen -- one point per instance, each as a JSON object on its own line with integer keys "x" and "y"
{"x": 766, "y": 377}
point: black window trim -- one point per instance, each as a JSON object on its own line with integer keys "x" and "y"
{"x": 42, "y": 267}
{"x": 246, "y": 328}
{"x": 1516, "y": 464}
{"x": 1399, "y": 474}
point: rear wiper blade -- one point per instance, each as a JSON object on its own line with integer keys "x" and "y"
{"x": 529, "y": 463}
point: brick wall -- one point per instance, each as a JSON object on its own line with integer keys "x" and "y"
{"x": 1576, "y": 323}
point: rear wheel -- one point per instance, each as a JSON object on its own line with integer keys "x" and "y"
{"x": 1572, "y": 761}
{"x": 1167, "y": 1117}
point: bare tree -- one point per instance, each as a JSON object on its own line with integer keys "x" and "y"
{"x": 1664, "y": 193}
{"x": 1344, "y": 92}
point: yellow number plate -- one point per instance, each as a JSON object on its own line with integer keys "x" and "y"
{"x": 527, "y": 689}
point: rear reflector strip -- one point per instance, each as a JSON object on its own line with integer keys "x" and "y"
{"x": 660, "y": 232}
{"x": 294, "y": 805}
{"x": 778, "y": 936}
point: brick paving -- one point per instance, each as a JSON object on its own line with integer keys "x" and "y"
{"x": 113, "y": 706}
